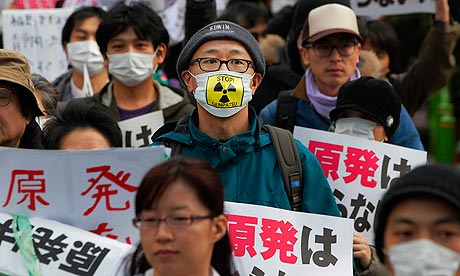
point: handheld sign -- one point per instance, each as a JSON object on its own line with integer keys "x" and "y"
{"x": 359, "y": 171}
{"x": 93, "y": 190}
{"x": 272, "y": 241}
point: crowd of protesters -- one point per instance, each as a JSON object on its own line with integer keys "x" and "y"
{"x": 303, "y": 66}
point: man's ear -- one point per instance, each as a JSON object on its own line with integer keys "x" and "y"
{"x": 255, "y": 82}
{"x": 358, "y": 50}
{"x": 106, "y": 60}
{"x": 219, "y": 227}
{"x": 305, "y": 57}
{"x": 189, "y": 81}
{"x": 161, "y": 53}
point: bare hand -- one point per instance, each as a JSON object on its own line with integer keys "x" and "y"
{"x": 442, "y": 11}
{"x": 361, "y": 250}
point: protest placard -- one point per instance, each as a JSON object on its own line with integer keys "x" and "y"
{"x": 93, "y": 190}
{"x": 359, "y": 171}
{"x": 377, "y": 8}
{"x": 138, "y": 131}
{"x": 61, "y": 250}
{"x": 272, "y": 242}
{"x": 37, "y": 34}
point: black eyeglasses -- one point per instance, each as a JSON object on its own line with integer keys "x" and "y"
{"x": 323, "y": 49}
{"x": 214, "y": 64}
{"x": 5, "y": 96}
{"x": 176, "y": 222}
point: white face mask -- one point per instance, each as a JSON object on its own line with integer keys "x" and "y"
{"x": 423, "y": 257}
{"x": 87, "y": 53}
{"x": 41, "y": 121}
{"x": 223, "y": 93}
{"x": 130, "y": 68}
{"x": 355, "y": 126}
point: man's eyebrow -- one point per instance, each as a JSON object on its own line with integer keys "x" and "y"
{"x": 402, "y": 220}
{"x": 81, "y": 31}
{"x": 449, "y": 219}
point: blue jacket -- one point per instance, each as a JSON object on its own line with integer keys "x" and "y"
{"x": 248, "y": 167}
{"x": 406, "y": 134}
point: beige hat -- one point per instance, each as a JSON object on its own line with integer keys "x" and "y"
{"x": 14, "y": 68}
{"x": 330, "y": 19}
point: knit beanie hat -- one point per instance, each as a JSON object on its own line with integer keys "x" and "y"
{"x": 221, "y": 30}
{"x": 374, "y": 97}
{"x": 440, "y": 182}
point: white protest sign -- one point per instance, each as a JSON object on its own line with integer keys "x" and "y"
{"x": 137, "y": 131}
{"x": 37, "y": 34}
{"x": 272, "y": 241}
{"x": 62, "y": 250}
{"x": 377, "y": 8}
{"x": 359, "y": 171}
{"x": 93, "y": 190}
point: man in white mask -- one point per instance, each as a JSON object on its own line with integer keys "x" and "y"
{"x": 133, "y": 41}
{"x": 222, "y": 65}
{"x": 88, "y": 75}
{"x": 417, "y": 225}
{"x": 367, "y": 108}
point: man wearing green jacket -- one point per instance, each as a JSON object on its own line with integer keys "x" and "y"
{"x": 222, "y": 65}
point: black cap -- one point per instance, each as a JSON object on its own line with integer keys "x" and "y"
{"x": 440, "y": 182}
{"x": 374, "y": 97}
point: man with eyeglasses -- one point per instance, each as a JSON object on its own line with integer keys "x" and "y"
{"x": 331, "y": 45}
{"x": 221, "y": 66}
{"x": 18, "y": 104}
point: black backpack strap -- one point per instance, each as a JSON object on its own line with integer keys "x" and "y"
{"x": 285, "y": 110}
{"x": 289, "y": 162}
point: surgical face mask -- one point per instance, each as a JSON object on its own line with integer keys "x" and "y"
{"x": 130, "y": 68}
{"x": 87, "y": 53}
{"x": 423, "y": 257}
{"x": 41, "y": 121}
{"x": 223, "y": 93}
{"x": 355, "y": 126}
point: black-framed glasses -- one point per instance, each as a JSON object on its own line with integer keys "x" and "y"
{"x": 176, "y": 222}
{"x": 213, "y": 64}
{"x": 5, "y": 96}
{"x": 323, "y": 49}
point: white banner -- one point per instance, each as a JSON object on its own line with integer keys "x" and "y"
{"x": 274, "y": 242}
{"x": 377, "y": 8}
{"x": 359, "y": 171}
{"x": 37, "y": 34}
{"x": 62, "y": 250}
{"x": 93, "y": 190}
{"x": 138, "y": 131}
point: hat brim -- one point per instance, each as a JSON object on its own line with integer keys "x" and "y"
{"x": 37, "y": 111}
{"x": 336, "y": 111}
{"x": 320, "y": 35}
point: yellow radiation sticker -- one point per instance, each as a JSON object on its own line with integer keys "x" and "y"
{"x": 224, "y": 91}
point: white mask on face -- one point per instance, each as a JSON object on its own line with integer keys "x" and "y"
{"x": 223, "y": 93}
{"x": 355, "y": 126}
{"x": 87, "y": 53}
{"x": 423, "y": 257}
{"x": 130, "y": 68}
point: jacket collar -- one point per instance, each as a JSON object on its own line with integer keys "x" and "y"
{"x": 300, "y": 91}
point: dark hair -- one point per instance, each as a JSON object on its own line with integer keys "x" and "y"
{"x": 200, "y": 176}
{"x": 80, "y": 113}
{"x": 383, "y": 37}
{"x": 25, "y": 99}
{"x": 47, "y": 91}
{"x": 77, "y": 17}
{"x": 145, "y": 22}
{"x": 246, "y": 14}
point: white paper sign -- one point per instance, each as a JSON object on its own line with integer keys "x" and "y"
{"x": 93, "y": 190}
{"x": 271, "y": 241}
{"x": 62, "y": 250}
{"x": 37, "y": 34}
{"x": 376, "y": 8}
{"x": 138, "y": 131}
{"x": 359, "y": 171}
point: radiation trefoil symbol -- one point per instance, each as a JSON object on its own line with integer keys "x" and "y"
{"x": 224, "y": 91}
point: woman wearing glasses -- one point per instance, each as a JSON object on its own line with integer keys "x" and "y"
{"x": 179, "y": 213}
